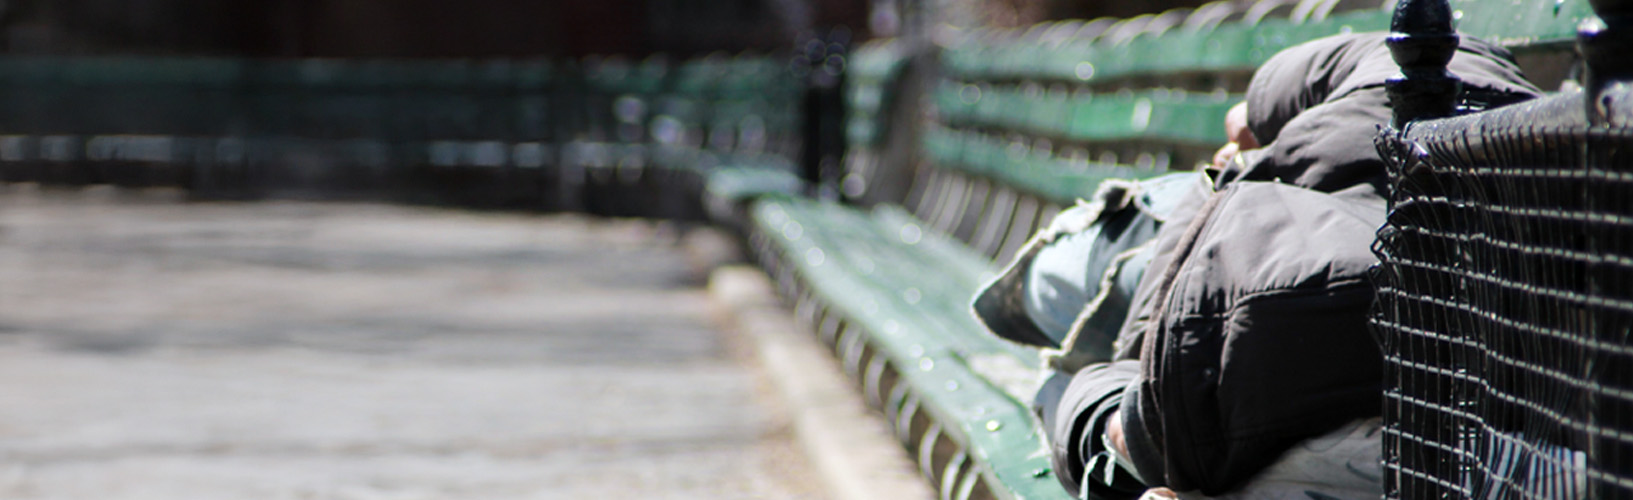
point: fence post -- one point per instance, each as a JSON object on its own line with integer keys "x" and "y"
{"x": 1422, "y": 41}
{"x": 1605, "y": 43}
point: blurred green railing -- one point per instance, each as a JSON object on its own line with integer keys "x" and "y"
{"x": 526, "y": 134}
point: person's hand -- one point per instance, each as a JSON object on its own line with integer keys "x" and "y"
{"x": 1114, "y": 433}
{"x": 1240, "y": 137}
{"x": 1222, "y": 157}
{"x": 1236, "y": 129}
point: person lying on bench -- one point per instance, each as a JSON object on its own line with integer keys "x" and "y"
{"x": 1243, "y": 367}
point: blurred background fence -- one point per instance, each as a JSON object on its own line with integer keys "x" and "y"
{"x": 528, "y": 134}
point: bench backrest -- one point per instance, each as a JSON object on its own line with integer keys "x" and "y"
{"x": 1022, "y": 122}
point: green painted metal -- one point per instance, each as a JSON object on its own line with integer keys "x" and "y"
{"x": 879, "y": 272}
{"x": 617, "y": 75}
{"x": 390, "y": 100}
{"x": 1522, "y": 23}
{"x": 1241, "y": 47}
{"x": 1230, "y": 47}
{"x": 872, "y": 69}
{"x": 1058, "y": 180}
{"x": 748, "y": 179}
{"x": 877, "y": 60}
{"x": 1049, "y": 111}
{"x": 1156, "y": 115}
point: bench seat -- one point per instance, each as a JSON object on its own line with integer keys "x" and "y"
{"x": 728, "y": 187}
{"x": 891, "y": 297}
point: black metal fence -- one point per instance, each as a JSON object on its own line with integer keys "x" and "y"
{"x": 1505, "y": 289}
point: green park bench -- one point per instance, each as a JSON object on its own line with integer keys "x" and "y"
{"x": 607, "y": 135}
{"x": 224, "y": 126}
{"x": 1022, "y": 123}
{"x": 651, "y": 139}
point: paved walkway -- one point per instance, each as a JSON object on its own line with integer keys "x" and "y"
{"x": 150, "y": 349}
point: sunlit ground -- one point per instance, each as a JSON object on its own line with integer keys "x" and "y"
{"x": 153, "y": 349}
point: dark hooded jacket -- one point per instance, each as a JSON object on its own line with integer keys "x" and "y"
{"x": 1317, "y": 106}
{"x": 1249, "y": 333}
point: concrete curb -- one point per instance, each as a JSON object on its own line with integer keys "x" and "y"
{"x": 853, "y": 450}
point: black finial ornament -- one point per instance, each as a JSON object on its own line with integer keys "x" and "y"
{"x": 1422, "y": 41}
{"x": 1605, "y": 43}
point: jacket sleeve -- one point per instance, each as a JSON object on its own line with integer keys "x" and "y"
{"x": 1075, "y": 428}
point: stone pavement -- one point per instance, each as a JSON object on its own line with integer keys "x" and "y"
{"x": 159, "y": 350}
